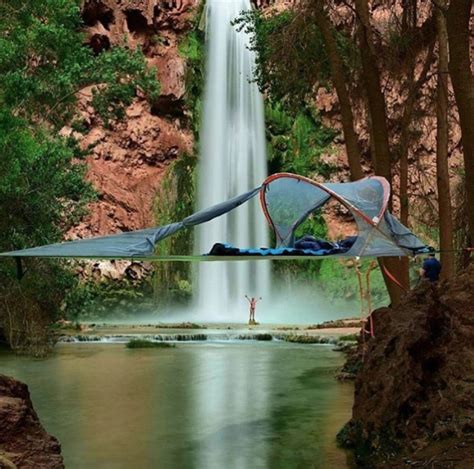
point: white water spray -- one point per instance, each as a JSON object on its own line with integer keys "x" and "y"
{"x": 233, "y": 161}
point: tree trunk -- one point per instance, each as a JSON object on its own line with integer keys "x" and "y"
{"x": 339, "y": 81}
{"x": 404, "y": 146}
{"x": 442, "y": 169}
{"x": 408, "y": 24}
{"x": 458, "y": 18}
{"x": 378, "y": 135}
{"x": 375, "y": 98}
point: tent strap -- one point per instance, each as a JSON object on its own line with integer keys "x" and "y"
{"x": 392, "y": 277}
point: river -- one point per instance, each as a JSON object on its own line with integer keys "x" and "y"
{"x": 207, "y": 405}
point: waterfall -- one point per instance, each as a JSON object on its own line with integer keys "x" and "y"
{"x": 232, "y": 161}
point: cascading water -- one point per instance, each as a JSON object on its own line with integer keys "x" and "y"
{"x": 233, "y": 161}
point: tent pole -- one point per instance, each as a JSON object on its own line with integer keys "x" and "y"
{"x": 20, "y": 273}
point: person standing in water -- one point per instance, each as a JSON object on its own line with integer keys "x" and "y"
{"x": 252, "y": 303}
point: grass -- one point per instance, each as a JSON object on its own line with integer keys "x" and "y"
{"x": 142, "y": 343}
{"x": 182, "y": 325}
{"x": 349, "y": 338}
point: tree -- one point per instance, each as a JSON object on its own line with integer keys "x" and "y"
{"x": 318, "y": 43}
{"x": 373, "y": 89}
{"x": 442, "y": 168}
{"x": 457, "y": 19}
{"x": 43, "y": 64}
{"x": 411, "y": 34}
{"x": 378, "y": 134}
{"x": 339, "y": 78}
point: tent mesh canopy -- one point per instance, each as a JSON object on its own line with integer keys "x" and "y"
{"x": 287, "y": 200}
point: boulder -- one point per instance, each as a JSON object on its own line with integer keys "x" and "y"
{"x": 24, "y": 443}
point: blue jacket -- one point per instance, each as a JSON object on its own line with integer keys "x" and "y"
{"x": 432, "y": 268}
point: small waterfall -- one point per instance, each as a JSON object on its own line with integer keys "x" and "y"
{"x": 233, "y": 160}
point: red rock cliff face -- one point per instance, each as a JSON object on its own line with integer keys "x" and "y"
{"x": 415, "y": 388}
{"x": 23, "y": 441}
{"x": 129, "y": 159}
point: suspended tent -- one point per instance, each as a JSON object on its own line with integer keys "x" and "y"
{"x": 287, "y": 201}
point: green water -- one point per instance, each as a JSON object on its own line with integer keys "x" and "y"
{"x": 234, "y": 405}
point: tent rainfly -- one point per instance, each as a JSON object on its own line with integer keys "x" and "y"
{"x": 287, "y": 201}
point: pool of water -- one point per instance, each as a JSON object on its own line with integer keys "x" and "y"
{"x": 209, "y": 405}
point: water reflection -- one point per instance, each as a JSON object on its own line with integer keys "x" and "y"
{"x": 206, "y": 406}
{"x": 231, "y": 401}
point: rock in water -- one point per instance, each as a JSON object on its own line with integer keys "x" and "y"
{"x": 415, "y": 388}
{"x": 24, "y": 443}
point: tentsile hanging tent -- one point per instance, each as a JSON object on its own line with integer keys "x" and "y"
{"x": 287, "y": 201}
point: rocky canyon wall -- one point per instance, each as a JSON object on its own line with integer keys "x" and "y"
{"x": 128, "y": 159}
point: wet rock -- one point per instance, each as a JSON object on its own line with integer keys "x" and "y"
{"x": 23, "y": 441}
{"x": 187, "y": 337}
{"x": 308, "y": 339}
{"x": 262, "y": 337}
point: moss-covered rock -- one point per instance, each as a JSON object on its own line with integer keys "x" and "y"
{"x": 142, "y": 343}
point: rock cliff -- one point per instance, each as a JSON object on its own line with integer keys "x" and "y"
{"x": 129, "y": 159}
{"x": 414, "y": 393}
{"x": 24, "y": 444}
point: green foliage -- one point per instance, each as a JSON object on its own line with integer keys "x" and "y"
{"x": 28, "y": 307}
{"x": 192, "y": 49}
{"x": 92, "y": 300}
{"x": 43, "y": 65}
{"x": 307, "y": 339}
{"x": 175, "y": 201}
{"x": 314, "y": 225}
{"x": 266, "y": 33}
{"x": 291, "y": 53}
{"x": 339, "y": 280}
{"x": 42, "y": 192}
{"x": 142, "y": 343}
{"x": 181, "y": 325}
{"x": 349, "y": 338}
{"x": 121, "y": 72}
{"x": 296, "y": 144}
